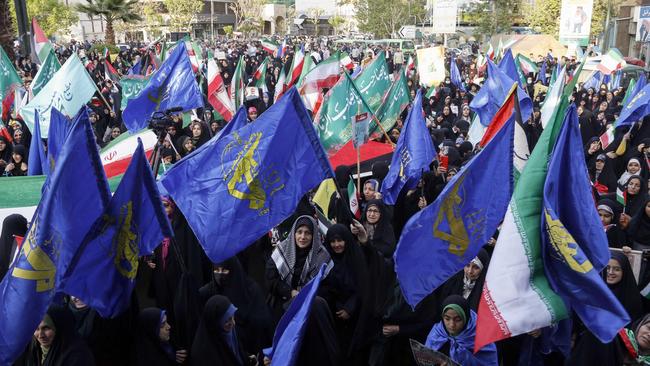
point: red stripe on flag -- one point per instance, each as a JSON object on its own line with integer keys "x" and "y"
{"x": 490, "y": 326}
{"x": 503, "y": 115}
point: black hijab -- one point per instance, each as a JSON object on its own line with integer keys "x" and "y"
{"x": 149, "y": 349}
{"x": 639, "y": 229}
{"x": 635, "y": 203}
{"x": 6, "y": 153}
{"x": 13, "y": 225}
{"x": 382, "y": 236}
{"x": 627, "y": 291}
{"x": 67, "y": 349}
{"x": 210, "y": 346}
{"x": 456, "y": 284}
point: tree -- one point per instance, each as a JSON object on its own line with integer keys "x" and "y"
{"x": 492, "y": 17}
{"x": 7, "y": 33}
{"x": 228, "y": 30}
{"x": 182, "y": 12}
{"x": 52, "y": 16}
{"x": 336, "y": 22}
{"x": 314, "y": 15}
{"x": 153, "y": 19}
{"x": 111, "y": 11}
{"x": 384, "y": 18}
{"x": 248, "y": 15}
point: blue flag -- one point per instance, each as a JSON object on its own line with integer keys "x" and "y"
{"x": 173, "y": 85}
{"x": 456, "y": 79}
{"x": 58, "y": 132}
{"x": 133, "y": 225}
{"x": 441, "y": 239}
{"x": 574, "y": 245}
{"x": 508, "y": 66}
{"x": 37, "y": 162}
{"x": 635, "y": 109}
{"x": 593, "y": 81}
{"x": 238, "y": 121}
{"x": 238, "y": 187}
{"x": 541, "y": 75}
{"x": 493, "y": 93}
{"x": 413, "y": 154}
{"x": 74, "y": 197}
{"x": 291, "y": 328}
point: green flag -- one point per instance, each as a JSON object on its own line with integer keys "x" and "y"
{"x": 131, "y": 87}
{"x": 9, "y": 80}
{"x": 334, "y": 120}
{"x": 393, "y": 105}
{"x": 49, "y": 66}
{"x": 373, "y": 82}
{"x": 629, "y": 90}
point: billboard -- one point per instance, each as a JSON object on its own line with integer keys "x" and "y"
{"x": 575, "y": 22}
{"x": 444, "y": 16}
{"x": 642, "y": 24}
{"x": 431, "y": 65}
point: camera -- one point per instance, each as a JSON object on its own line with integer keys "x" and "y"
{"x": 159, "y": 121}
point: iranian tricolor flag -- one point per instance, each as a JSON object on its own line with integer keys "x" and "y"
{"x": 269, "y": 46}
{"x": 194, "y": 52}
{"x": 324, "y": 75}
{"x": 410, "y": 65}
{"x": 117, "y": 155}
{"x": 517, "y": 297}
{"x": 526, "y": 65}
{"x": 296, "y": 67}
{"x": 41, "y": 44}
{"x": 354, "y": 199}
{"x": 346, "y": 61}
{"x": 237, "y": 84}
{"x": 607, "y": 137}
{"x": 9, "y": 81}
{"x": 259, "y": 77}
{"x": 490, "y": 53}
{"x": 280, "y": 86}
{"x": 611, "y": 62}
{"x": 621, "y": 196}
{"x": 217, "y": 94}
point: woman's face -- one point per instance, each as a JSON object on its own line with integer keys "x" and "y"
{"x": 472, "y": 271}
{"x": 368, "y": 191}
{"x": 303, "y": 237}
{"x": 633, "y": 186}
{"x": 196, "y": 130}
{"x": 18, "y": 136}
{"x": 600, "y": 165}
{"x": 338, "y": 245}
{"x": 168, "y": 208}
{"x": 165, "y": 328}
{"x": 229, "y": 324}
{"x": 605, "y": 217}
{"x": 44, "y": 335}
{"x": 614, "y": 272}
{"x": 115, "y": 132}
{"x": 188, "y": 145}
{"x": 373, "y": 214}
{"x": 453, "y": 322}
{"x": 633, "y": 167}
{"x": 3, "y": 145}
{"x": 647, "y": 209}
{"x": 446, "y": 111}
{"x": 17, "y": 158}
{"x": 643, "y": 336}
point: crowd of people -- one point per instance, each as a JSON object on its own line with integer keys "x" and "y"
{"x": 188, "y": 310}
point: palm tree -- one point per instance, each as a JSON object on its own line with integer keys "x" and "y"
{"x": 111, "y": 11}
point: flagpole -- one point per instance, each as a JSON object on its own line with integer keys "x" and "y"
{"x": 358, "y": 170}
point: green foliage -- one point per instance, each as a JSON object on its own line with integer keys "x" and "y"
{"x": 384, "y": 18}
{"x": 153, "y": 20}
{"x": 336, "y": 22}
{"x": 493, "y": 17}
{"x": 111, "y": 11}
{"x": 181, "y": 13}
{"x": 99, "y": 48}
{"x": 51, "y": 15}
{"x": 228, "y": 30}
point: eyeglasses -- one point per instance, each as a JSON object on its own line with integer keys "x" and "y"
{"x": 373, "y": 211}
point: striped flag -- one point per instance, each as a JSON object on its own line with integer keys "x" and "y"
{"x": 283, "y": 48}
{"x": 354, "y": 199}
{"x": 611, "y": 61}
{"x": 410, "y": 65}
{"x": 217, "y": 93}
{"x": 346, "y": 61}
{"x": 607, "y": 137}
{"x": 526, "y": 65}
{"x": 269, "y": 46}
{"x": 9, "y": 81}
{"x": 280, "y": 86}
{"x": 110, "y": 73}
{"x": 42, "y": 45}
{"x": 621, "y": 196}
{"x": 259, "y": 77}
{"x": 237, "y": 84}
{"x": 116, "y": 156}
{"x": 296, "y": 67}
